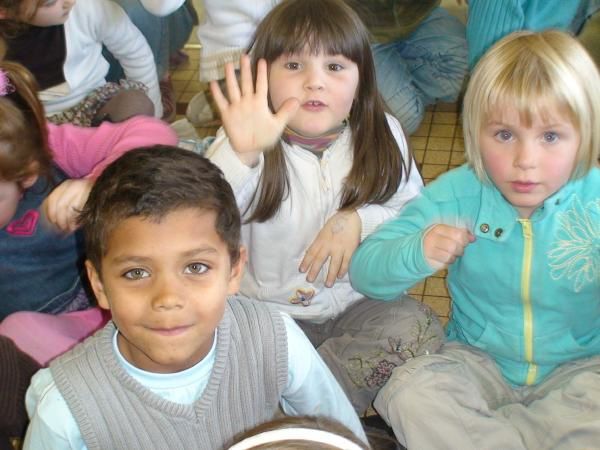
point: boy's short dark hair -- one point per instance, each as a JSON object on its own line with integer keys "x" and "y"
{"x": 151, "y": 182}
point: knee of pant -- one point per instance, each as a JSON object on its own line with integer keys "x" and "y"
{"x": 406, "y": 387}
{"x": 125, "y": 105}
{"x": 430, "y": 326}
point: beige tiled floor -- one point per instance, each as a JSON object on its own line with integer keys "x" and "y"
{"x": 437, "y": 145}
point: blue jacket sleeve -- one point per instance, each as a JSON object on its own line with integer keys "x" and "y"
{"x": 391, "y": 260}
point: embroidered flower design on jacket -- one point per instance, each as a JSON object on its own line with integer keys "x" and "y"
{"x": 303, "y": 297}
{"x": 576, "y": 249}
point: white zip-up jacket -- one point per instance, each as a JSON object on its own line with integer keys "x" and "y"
{"x": 277, "y": 246}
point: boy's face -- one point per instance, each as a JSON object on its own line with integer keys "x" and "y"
{"x": 166, "y": 284}
{"x": 52, "y": 12}
{"x": 529, "y": 163}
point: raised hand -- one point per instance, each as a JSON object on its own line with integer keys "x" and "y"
{"x": 336, "y": 241}
{"x": 61, "y": 208}
{"x": 444, "y": 243}
{"x": 248, "y": 121}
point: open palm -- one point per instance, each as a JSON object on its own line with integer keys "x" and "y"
{"x": 250, "y": 124}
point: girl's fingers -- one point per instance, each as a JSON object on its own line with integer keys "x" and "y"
{"x": 315, "y": 267}
{"x": 218, "y": 96}
{"x": 344, "y": 267}
{"x": 233, "y": 89}
{"x": 288, "y": 109}
{"x": 262, "y": 82}
{"x": 246, "y": 76}
{"x": 334, "y": 268}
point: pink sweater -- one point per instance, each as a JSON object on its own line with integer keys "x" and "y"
{"x": 85, "y": 152}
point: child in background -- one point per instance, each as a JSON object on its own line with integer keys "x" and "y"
{"x": 301, "y": 432}
{"x": 518, "y": 230}
{"x": 490, "y": 21}
{"x": 316, "y": 165}
{"x": 60, "y": 42}
{"x": 166, "y": 26}
{"x": 46, "y": 172}
{"x": 179, "y": 366}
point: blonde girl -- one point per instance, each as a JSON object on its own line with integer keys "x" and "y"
{"x": 518, "y": 228}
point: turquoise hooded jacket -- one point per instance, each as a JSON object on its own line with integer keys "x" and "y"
{"x": 526, "y": 291}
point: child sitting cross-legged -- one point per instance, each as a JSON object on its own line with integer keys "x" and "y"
{"x": 517, "y": 227}
{"x": 182, "y": 364}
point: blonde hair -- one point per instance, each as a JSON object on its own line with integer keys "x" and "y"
{"x": 534, "y": 72}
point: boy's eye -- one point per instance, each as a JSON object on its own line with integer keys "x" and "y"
{"x": 504, "y": 135}
{"x": 550, "y": 137}
{"x": 136, "y": 274}
{"x": 334, "y": 67}
{"x": 292, "y": 65}
{"x": 196, "y": 268}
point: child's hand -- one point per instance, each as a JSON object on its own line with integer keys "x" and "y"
{"x": 444, "y": 243}
{"x": 61, "y": 208}
{"x": 247, "y": 118}
{"x": 336, "y": 241}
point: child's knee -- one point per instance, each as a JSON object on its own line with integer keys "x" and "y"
{"x": 426, "y": 334}
{"x": 124, "y": 105}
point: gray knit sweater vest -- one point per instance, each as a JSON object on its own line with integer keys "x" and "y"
{"x": 114, "y": 411}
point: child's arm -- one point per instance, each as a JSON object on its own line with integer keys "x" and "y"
{"x": 311, "y": 388}
{"x": 407, "y": 249}
{"x": 442, "y": 244}
{"x": 129, "y": 46}
{"x": 342, "y": 233}
{"x": 247, "y": 119}
{"x": 336, "y": 242}
{"x": 85, "y": 152}
{"x": 62, "y": 206}
{"x": 51, "y": 426}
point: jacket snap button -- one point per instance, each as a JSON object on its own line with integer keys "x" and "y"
{"x": 484, "y": 227}
{"x": 498, "y": 232}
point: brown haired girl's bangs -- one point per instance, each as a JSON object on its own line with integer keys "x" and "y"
{"x": 317, "y": 32}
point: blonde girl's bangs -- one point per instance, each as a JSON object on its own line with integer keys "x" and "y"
{"x": 536, "y": 74}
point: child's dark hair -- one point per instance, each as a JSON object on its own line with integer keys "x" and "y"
{"x": 151, "y": 182}
{"x": 23, "y": 133}
{"x": 303, "y": 426}
{"x": 331, "y": 26}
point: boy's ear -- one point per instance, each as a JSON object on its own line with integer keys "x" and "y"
{"x": 96, "y": 284}
{"x": 237, "y": 271}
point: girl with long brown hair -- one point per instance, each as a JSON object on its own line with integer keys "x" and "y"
{"x": 317, "y": 165}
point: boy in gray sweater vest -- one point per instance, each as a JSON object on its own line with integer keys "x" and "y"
{"x": 182, "y": 364}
